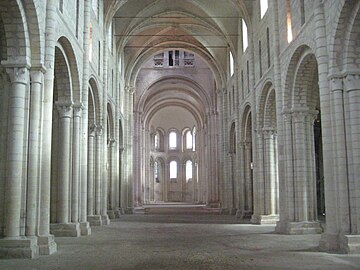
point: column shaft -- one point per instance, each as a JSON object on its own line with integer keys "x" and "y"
{"x": 32, "y": 206}
{"x": 352, "y": 86}
{"x": 301, "y": 192}
{"x": 15, "y": 142}
{"x": 76, "y": 163}
{"x": 84, "y": 119}
{"x": 65, "y": 113}
{"x": 98, "y": 172}
{"x": 90, "y": 173}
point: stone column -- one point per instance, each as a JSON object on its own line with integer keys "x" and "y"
{"x": 136, "y": 160}
{"x": 286, "y": 196}
{"x": 113, "y": 212}
{"x": 63, "y": 227}
{"x": 303, "y": 221}
{"x": 350, "y": 242}
{"x": 32, "y": 206}
{"x": 151, "y": 180}
{"x": 270, "y": 174}
{"x": 15, "y": 245}
{"x": 97, "y": 166}
{"x": 232, "y": 187}
{"x": 91, "y": 170}
{"x": 283, "y": 125}
{"x": 65, "y": 115}
{"x": 75, "y": 195}
{"x": 127, "y": 184}
{"x": 259, "y": 181}
{"x": 19, "y": 79}
{"x": 166, "y": 180}
{"x": 94, "y": 184}
{"x": 213, "y": 160}
{"x": 122, "y": 186}
{"x": 194, "y": 180}
{"x": 248, "y": 178}
{"x": 115, "y": 176}
{"x": 84, "y": 224}
{"x": 47, "y": 244}
{"x": 104, "y": 187}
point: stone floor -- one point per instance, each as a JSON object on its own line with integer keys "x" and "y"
{"x": 180, "y": 240}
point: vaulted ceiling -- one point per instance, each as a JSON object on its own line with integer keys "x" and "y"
{"x": 206, "y": 27}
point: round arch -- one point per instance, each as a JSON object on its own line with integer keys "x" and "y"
{"x": 64, "y": 45}
{"x": 94, "y": 101}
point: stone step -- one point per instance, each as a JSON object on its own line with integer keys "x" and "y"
{"x": 180, "y": 210}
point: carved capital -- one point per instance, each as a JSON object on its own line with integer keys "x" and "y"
{"x": 269, "y": 132}
{"x": 336, "y": 83}
{"x": 92, "y": 130}
{"x": 64, "y": 109}
{"x": 247, "y": 144}
{"x": 111, "y": 142}
{"x": 287, "y": 115}
{"x": 313, "y": 115}
{"x": 99, "y": 130}
{"x": 37, "y": 74}
{"x": 18, "y": 75}
{"x": 130, "y": 89}
{"x": 78, "y": 107}
{"x": 352, "y": 82}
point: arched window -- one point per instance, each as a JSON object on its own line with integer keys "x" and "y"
{"x": 61, "y": 5}
{"x": 268, "y": 46}
{"x": 260, "y": 59}
{"x": 95, "y": 7}
{"x": 156, "y": 172}
{"x": 232, "y": 67}
{"x": 172, "y": 140}
{"x": 189, "y": 140}
{"x": 77, "y": 18}
{"x": 302, "y": 11}
{"x": 194, "y": 138}
{"x": 110, "y": 37}
{"x": 91, "y": 43}
{"x": 289, "y": 23}
{"x": 189, "y": 171}
{"x": 173, "y": 170}
{"x": 264, "y": 4}
{"x": 244, "y": 35}
{"x": 157, "y": 141}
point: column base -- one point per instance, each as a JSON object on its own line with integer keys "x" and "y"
{"x": 129, "y": 210}
{"x": 111, "y": 214}
{"x": 114, "y": 214}
{"x": 94, "y": 220}
{"x": 303, "y": 227}
{"x": 117, "y": 213}
{"x": 105, "y": 220}
{"x": 350, "y": 244}
{"x": 242, "y": 214}
{"x": 65, "y": 229}
{"x": 264, "y": 219}
{"x": 85, "y": 228}
{"x": 213, "y": 205}
{"x": 47, "y": 244}
{"x": 225, "y": 211}
{"x": 19, "y": 247}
